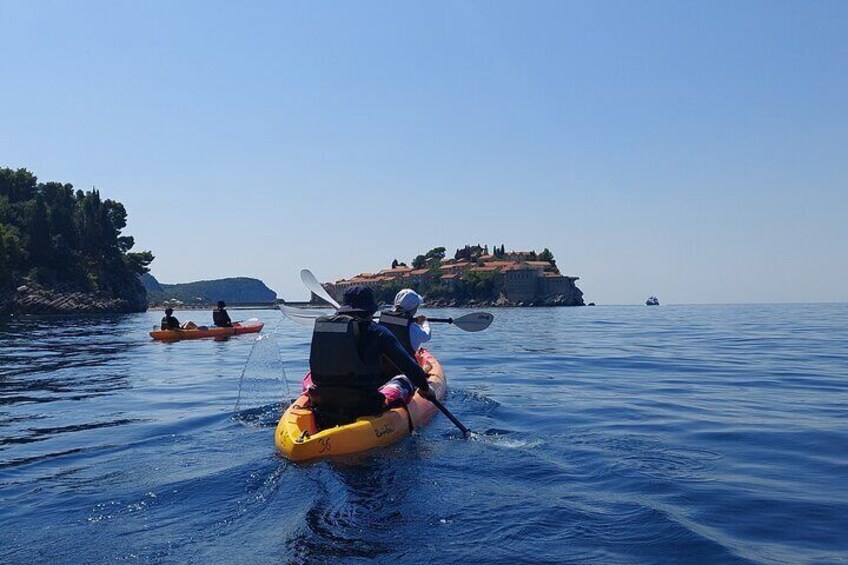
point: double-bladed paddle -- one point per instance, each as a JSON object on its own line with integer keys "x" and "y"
{"x": 473, "y": 322}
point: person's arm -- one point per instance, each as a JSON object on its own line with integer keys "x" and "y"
{"x": 419, "y": 333}
{"x": 402, "y": 360}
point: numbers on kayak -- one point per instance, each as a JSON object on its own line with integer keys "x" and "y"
{"x": 324, "y": 445}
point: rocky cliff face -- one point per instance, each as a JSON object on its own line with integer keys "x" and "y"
{"x": 32, "y": 298}
{"x": 573, "y": 297}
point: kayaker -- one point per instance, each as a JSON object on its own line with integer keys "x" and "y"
{"x": 346, "y": 379}
{"x": 169, "y": 322}
{"x": 220, "y": 316}
{"x": 411, "y": 330}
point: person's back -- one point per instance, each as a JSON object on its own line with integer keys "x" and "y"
{"x": 220, "y": 317}
{"x": 346, "y": 379}
{"x": 169, "y": 322}
{"x": 411, "y": 330}
{"x": 345, "y": 362}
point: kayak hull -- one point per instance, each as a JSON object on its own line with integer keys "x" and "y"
{"x": 298, "y": 438}
{"x": 236, "y": 329}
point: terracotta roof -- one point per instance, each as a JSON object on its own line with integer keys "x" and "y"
{"x": 397, "y": 269}
{"x": 539, "y": 263}
{"x": 485, "y": 269}
{"x": 449, "y": 276}
{"x": 419, "y": 271}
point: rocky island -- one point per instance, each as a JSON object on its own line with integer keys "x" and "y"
{"x": 62, "y": 251}
{"x": 474, "y": 276}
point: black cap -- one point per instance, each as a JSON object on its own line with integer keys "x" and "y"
{"x": 358, "y": 299}
{"x": 221, "y": 304}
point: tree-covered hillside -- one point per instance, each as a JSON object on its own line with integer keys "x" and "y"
{"x": 202, "y": 293}
{"x": 54, "y": 237}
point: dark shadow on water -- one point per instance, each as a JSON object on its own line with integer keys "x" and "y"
{"x": 357, "y": 511}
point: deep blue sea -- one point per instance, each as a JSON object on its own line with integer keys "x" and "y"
{"x": 671, "y": 434}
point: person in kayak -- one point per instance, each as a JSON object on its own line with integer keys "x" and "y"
{"x": 412, "y": 331}
{"x": 169, "y": 322}
{"x": 346, "y": 378}
{"x": 220, "y": 316}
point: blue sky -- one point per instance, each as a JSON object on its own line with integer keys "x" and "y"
{"x": 696, "y": 151}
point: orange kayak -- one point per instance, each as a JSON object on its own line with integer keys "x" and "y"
{"x": 246, "y": 327}
{"x": 298, "y": 439}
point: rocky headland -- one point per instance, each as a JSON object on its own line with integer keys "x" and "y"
{"x": 33, "y": 298}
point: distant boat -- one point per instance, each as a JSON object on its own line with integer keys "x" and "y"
{"x": 652, "y": 301}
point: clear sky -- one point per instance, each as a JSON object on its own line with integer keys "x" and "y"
{"x": 693, "y": 150}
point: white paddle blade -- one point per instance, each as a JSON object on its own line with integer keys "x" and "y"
{"x": 302, "y": 317}
{"x": 474, "y": 322}
{"x": 315, "y": 287}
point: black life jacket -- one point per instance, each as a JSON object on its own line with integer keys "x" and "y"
{"x": 346, "y": 387}
{"x": 398, "y": 323}
{"x": 170, "y": 323}
{"x": 221, "y": 318}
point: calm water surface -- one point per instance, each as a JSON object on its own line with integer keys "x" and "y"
{"x": 611, "y": 434}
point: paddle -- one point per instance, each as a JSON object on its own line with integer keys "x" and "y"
{"x": 477, "y": 320}
{"x": 465, "y": 431}
{"x": 315, "y": 287}
{"x": 473, "y": 322}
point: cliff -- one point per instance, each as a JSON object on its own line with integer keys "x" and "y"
{"x": 33, "y": 298}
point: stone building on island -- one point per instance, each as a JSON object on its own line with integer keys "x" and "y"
{"x": 508, "y": 279}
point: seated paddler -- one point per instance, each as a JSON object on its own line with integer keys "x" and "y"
{"x": 411, "y": 330}
{"x": 346, "y": 377}
{"x": 220, "y": 317}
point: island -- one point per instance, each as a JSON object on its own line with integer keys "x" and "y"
{"x": 235, "y": 291}
{"x": 62, "y": 250}
{"x": 474, "y": 276}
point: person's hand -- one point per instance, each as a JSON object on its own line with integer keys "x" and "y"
{"x": 421, "y": 319}
{"x": 428, "y": 393}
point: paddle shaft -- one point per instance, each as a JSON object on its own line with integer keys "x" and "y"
{"x": 465, "y": 431}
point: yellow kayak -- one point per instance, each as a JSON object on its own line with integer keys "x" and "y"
{"x": 298, "y": 439}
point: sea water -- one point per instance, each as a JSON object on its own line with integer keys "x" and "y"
{"x": 671, "y": 434}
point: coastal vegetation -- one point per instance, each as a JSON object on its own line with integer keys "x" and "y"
{"x": 57, "y": 239}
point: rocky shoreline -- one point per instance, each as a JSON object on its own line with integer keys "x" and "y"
{"x": 32, "y": 298}
{"x": 557, "y": 300}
